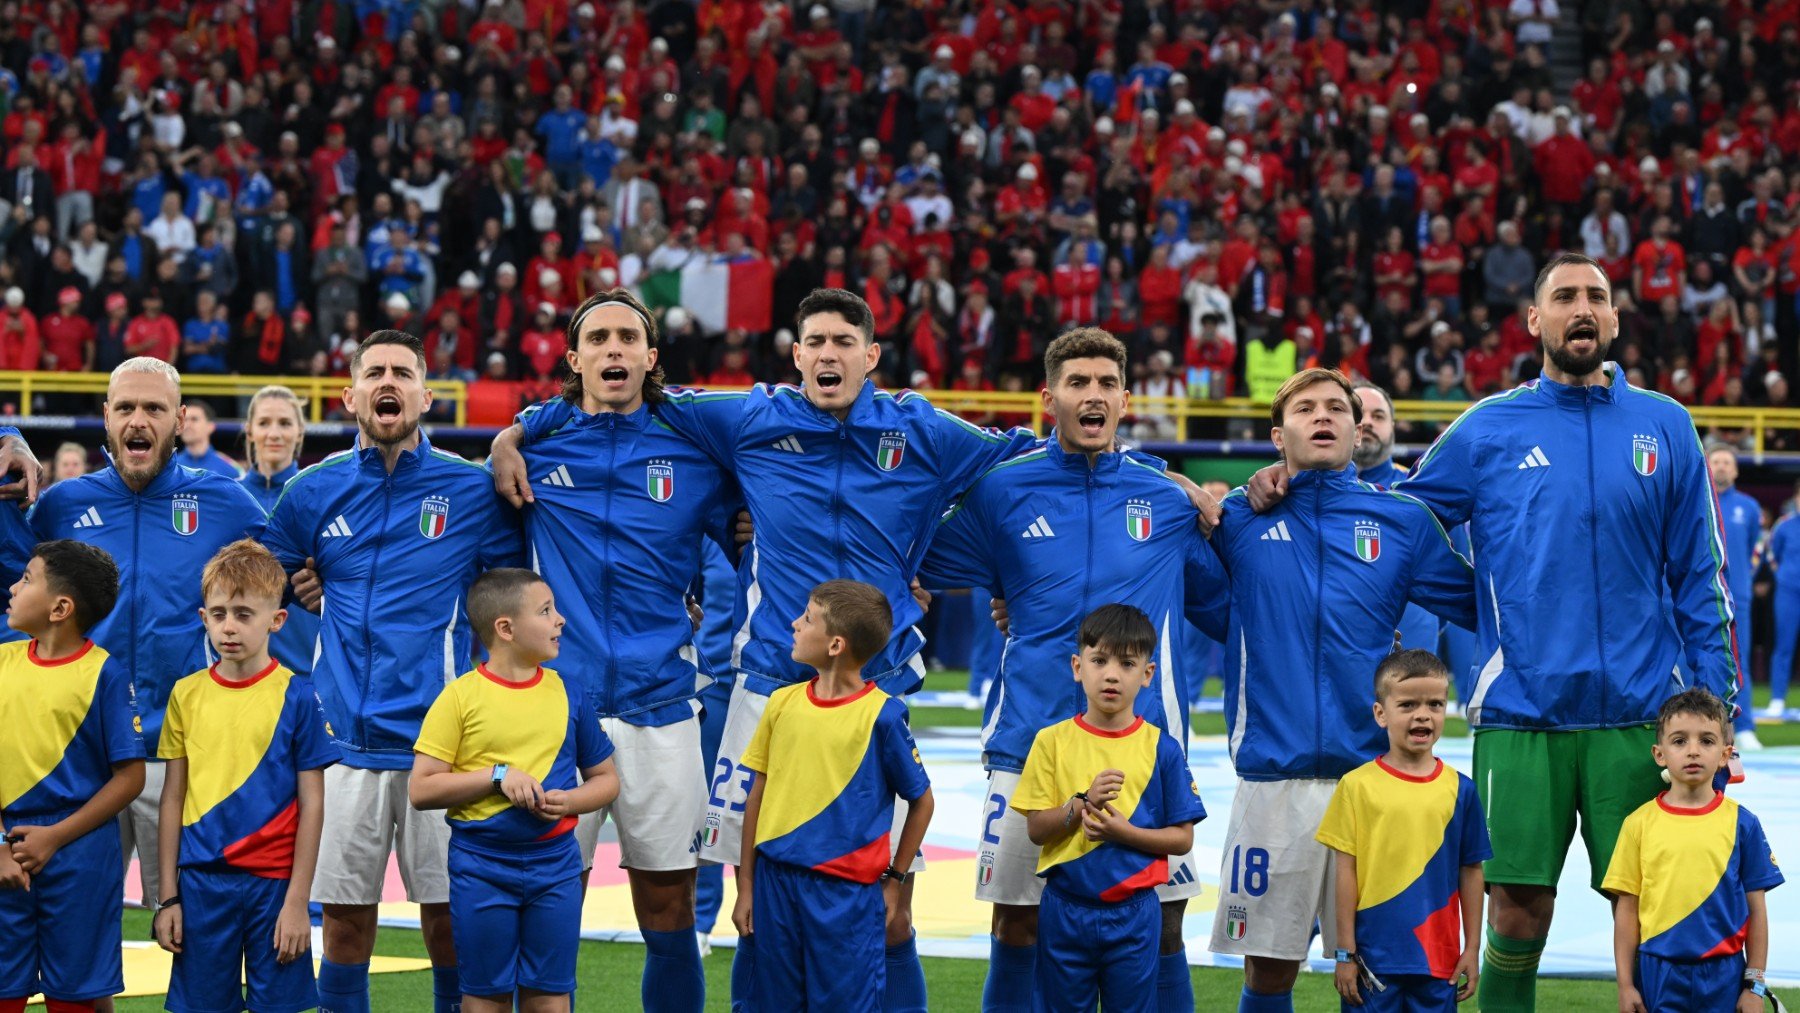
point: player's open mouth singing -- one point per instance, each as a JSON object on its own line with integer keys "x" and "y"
{"x": 828, "y": 381}
{"x": 1324, "y": 437}
{"x": 387, "y": 408}
{"x": 1581, "y": 332}
{"x": 1092, "y": 423}
{"x": 613, "y": 375}
{"x": 138, "y": 447}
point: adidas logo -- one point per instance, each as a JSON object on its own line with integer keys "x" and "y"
{"x": 1182, "y": 874}
{"x": 339, "y": 528}
{"x": 1278, "y": 533}
{"x": 559, "y": 478}
{"x": 1040, "y": 528}
{"x": 1535, "y": 459}
{"x": 89, "y": 519}
{"x": 791, "y": 444}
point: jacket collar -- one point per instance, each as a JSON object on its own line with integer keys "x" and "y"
{"x": 1342, "y": 478}
{"x": 369, "y": 457}
{"x": 1106, "y": 465}
{"x": 859, "y": 408}
{"x": 171, "y": 478}
{"x": 610, "y": 420}
{"x": 1577, "y": 396}
{"x": 276, "y": 481}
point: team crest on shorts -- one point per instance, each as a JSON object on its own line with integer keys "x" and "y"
{"x": 659, "y": 479}
{"x": 709, "y": 834}
{"x": 890, "y": 450}
{"x": 984, "y": 870}
{"x": 1237, "y": 922}
{"x": 434, "y": 516}
{"x": 1643, "y": 454}
{"x": 1368, "y": 541}
{"x": 186, "y": 516}
{"x": 1137, "y": 519}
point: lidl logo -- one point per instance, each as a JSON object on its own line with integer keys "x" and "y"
{"x": 434, "y": 516}
{"x": 186, "y": 515}
{"x": 1137, "y": 519}
{"x": 659, "y": 479}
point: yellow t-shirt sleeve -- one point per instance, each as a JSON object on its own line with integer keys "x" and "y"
{"x": 756, "y": 755}
{"x": 1037, "y": 782}
{"x": 173, "y": 744}
{"x": 1337, "y": 830}
{"x": 1623, "y": 872}
{"x": 441, "y": 733}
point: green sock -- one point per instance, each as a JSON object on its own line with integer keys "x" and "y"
{"x": 1509, "y": 970}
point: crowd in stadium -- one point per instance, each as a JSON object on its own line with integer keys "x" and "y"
{"x": 1242, "y": 188}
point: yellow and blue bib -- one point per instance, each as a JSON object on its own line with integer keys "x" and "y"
{"x": 66, "y": 723}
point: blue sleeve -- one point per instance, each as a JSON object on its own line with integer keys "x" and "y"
{"x": 1474, "y": 846}
{"x": 592, "y": 745}
{"x": 1442, "y": 581}
{"x": 966, "y": 451}
{"x": 1694, "y": 566}
{"x": 1180, "y": 795}
{"x": 962, "y": 550}
{"x": 1206, "y": 589}
{"x": 1756, "y": 861}
{"x": 120, "y": 728}
{"x": 288, "y": 531}
{"x": 707, "y": 419}
{"x": 16, "y": 542}
{"x": 41, "y": 517}
{"x": 313, "y": 749}
{"x": 503, "y": 542}
{"x": 545, "y": 417}
{"x": 242, "y": 504}
{"x": 6, "y": 431}
{"x": 900, "y": 762}
{"x": 1444, "y": 479}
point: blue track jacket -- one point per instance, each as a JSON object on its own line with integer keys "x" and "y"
{"x": 1589, "y": 507}
{"x": 1318, "y": 586}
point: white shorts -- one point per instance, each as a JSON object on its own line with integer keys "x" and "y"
{"x": 722, "y": 829}
{"x": 137, "y": 831}
{"x": 1006, "y": 864}
{"x": 1275, "y": 879}
{"x": 662, "y": 797}
{"x": 366, "y": 816}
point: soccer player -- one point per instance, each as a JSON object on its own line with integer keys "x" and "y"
{"x": 1317, "y": 586}
{"x": 1374, "y": 459}
{"x": 1741, "y": 516}
{"x": 1589, "y": 506}
{"x": 1056, "y": 532}
{"x": 516, "y": 754}
{"x": 244, "y": 748}
{"x": 160, "y": 523}
{"x": 1406, "y": 832}
{"x": 396, "y": 531}
{"x": 832, "y": 753}
{"x": 1690, "y": 929}
{"x": 71, "y": 760}
{"x": 621, "y": 508}
{"x": 841, "y": 480}
{"x": 1109, "y": 799}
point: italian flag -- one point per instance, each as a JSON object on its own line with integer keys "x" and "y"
{"x": 720, "y": 296}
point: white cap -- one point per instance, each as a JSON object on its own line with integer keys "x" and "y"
{"x": 870, "y": 146}
{"x": 1649, "y": 164}
{"x": 1418, "y": 118}
{"x": 1030, "y": 70}
{"x": 675, "y": 318}
{"x": 1027, "y": 172}
{"x": 1328, "y": 89}
{"x": 496, "y": 358}
{"x": 1177, "y": 78}
{"x": 506, "y": 268}
{"x": 615, "y": 62}
{"x": 819, "y": 11}
{"x": 1381, "y": 111}
{"x": 1303, "y": 329}
{"x": 1439, "y": 328}
{"x": 1561, "y": 113}
{"x": 694, "y": 204}
{"x": 943, "y": 53}
{"x": 1215, "y": 133}
{"x": 1238, "y": 148}
{"x": 1103, "y": 125}
{"x": 1665, "y": 46}
{"x": 468, "y": 279}
{"x": 659, "y": 45}
{"x": 1233, "y": 165}
{"x": 584, "y": 11}
{"x": 15, "y": 297}
{"x": 545, "y": 307}
{"x": 549, "y": 276}
{"x": 1184, "y": 108}
{"x": 592, "y": 234}
{"x": 1703, "y": 25}
{"x": 233, "y": 130}
{"x": 784, "y": 336}
{"x": 398, "y": 301}
{"x": 608, "y": 277}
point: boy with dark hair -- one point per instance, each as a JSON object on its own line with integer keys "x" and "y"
{"x": 1690, "y": 929}
{"x": 72, "y": 758}
{"x": 500, "y": 749}
{"x": 242, "y": 804}
{"x": 1407, "y": 832}
{"x": 1108, "y": 798}
{"x": 830, "y": 755}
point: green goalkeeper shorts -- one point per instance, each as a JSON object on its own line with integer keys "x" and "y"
{"x": 1534, "y": 784}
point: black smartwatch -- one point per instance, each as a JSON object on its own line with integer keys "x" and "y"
{"x": 174, "y": 901}
{"x": 891, "y": 873}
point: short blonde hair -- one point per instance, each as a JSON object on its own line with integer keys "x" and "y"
{"x": 1306, "y": 378}
{"x": 244, "y": 567}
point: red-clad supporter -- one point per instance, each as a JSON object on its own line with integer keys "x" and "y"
{"x": 67, "y": 335}
{"x": 152, "y": 332}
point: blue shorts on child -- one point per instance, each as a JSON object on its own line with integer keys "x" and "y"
{"x": 228, "y": 939}
{"x": 821, "y": 941}
{"x": 62, "y": 936}
{"x": 1091, "y": 952}
{"x": 1678, "y": 986}
{"x": 1406, "y": 993}
{"x": 516, "y": 919}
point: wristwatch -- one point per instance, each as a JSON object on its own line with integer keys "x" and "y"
{"x": 174, "y": 901}
{"x": 1346, "y": 956}
{"x": 895, "y": 874}
{"x": 500, "y": 772}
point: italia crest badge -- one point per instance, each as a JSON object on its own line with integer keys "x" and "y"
{"x": 434, "y": 516}
{"x": 1237, "y": 922}
{"x": 1137, "y": 519}
{"x": 1368, "y": 541}
{"x": 709, "y": 834}
{"x": 1643, "y": 454}
{"x": 659, "y": 480}
{"x": 186, "y": 515}
{"x": 890, "y": 450}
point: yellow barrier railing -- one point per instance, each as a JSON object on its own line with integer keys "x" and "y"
{"x": 320, "y": 392}
{"x": 1027, "y": 407}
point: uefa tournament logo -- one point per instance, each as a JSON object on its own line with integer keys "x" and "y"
{"x": 434, "y": 516}
{"x": 890, "y": 450}
{"x": 186, "y": 516}
{"x": 1368, "y": 541}
{"x": 1643, "y": 454}
{"x": 1137, "y": 519}
{"x": 1237, "y": 922}
{"x": 659, "y": 480}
